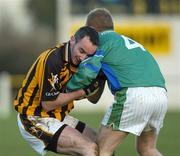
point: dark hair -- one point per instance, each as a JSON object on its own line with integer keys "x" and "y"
{"x": 100, "y": 19}
{"x": 87, "y": 31}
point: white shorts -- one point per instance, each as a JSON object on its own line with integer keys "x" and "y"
{"x": 137, "y": 109}
{"x": 38, "y": 132}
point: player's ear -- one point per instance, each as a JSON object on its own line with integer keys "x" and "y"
{"x": 72, "y": 40}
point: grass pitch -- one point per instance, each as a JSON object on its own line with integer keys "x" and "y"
{"x": 12, "y": 143}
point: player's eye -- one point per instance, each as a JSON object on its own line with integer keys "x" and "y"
{"x": 82, "y": 51}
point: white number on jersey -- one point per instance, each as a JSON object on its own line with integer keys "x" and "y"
{"x": 131, "y": 44}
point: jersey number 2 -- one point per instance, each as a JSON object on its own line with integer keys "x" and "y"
{"x": 131, "y": 44}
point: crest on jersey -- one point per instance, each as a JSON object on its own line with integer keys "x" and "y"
{"x": 53, "y": 81}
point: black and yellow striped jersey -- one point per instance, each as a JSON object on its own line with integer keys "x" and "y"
{"x": 44, "y": 82}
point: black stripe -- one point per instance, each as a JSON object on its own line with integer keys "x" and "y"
{"x": 31, "y": 99}
{"x": 51, "y": 114}
{"x": 64, "y": 109}
{"x": 33, "y": 95}
{"x": 38, "y": 110}
{"x": 52, "y": 146}
{"x": 24, "y": 89}
{"x": 80, "y": 126}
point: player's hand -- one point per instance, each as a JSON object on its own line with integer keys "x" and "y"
{"x": 96, "y": 84}
{"x": 92, "y": 88}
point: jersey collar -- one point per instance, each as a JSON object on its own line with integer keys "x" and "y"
{"x": 67, "y": 57}
{"x": 67, "y": 51}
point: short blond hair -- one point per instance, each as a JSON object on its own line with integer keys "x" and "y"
{"x": 100, "y": 19}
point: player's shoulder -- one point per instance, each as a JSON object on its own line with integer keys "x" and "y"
{"x": 48, "y": 57}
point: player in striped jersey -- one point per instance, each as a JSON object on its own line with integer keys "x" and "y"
{"x": 42, "y": 119}
{"x": 135, "y": 80}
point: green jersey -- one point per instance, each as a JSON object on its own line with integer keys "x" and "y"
{"x": 125, "y": 63}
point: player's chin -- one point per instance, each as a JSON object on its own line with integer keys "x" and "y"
{"x": 76, "y": 62}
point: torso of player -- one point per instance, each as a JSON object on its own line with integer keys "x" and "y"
{"x": 131, "y": 65}
{"x": 44, "y": 82}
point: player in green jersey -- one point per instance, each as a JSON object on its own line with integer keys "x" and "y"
{"x": 136, "y": 82}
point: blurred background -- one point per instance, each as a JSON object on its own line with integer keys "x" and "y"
{"x": 28, "y": 27}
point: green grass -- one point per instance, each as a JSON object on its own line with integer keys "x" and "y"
{"x": 12, "y": 143}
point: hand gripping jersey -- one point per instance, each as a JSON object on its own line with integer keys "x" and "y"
{"x": 44, "y": 82}
{"x": 125, "y": 63}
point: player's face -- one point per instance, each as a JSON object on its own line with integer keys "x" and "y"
{"x": 82, "y": 50}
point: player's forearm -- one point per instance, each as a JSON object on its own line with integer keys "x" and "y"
{"x": 62, "y": 100}
{"x": 65, "y": 98}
